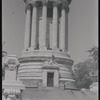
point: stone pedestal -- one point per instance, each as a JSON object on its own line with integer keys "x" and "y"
{"x": 11, "y": 86}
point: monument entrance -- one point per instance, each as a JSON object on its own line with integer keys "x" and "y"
{"x": 50, "y": 78}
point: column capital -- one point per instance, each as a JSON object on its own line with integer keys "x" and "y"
{"x": 44, "y": 3}
{"x": 34, "y": 4}
{"x": 55, "y": 3}
{"x": 65, "y": 6}
{"x": 28, "y": 7}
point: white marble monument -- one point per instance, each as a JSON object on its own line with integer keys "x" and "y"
{"x": 45, "y": 65}
{"x": 46, "y": 34}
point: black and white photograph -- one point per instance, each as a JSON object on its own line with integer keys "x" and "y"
{"x": 50, "y": 50}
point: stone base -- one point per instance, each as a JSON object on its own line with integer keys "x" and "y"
{"x": 14, "y": 84}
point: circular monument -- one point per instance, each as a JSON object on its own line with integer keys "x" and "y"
{"x": 45, "y": 61}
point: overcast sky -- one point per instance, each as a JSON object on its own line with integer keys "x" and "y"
{"x": 82, "y": 32}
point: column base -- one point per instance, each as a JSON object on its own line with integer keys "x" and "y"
{"x": 55, "y": 49}
{"x": 63, "y": 50}
{"x": 26, "y": 49}
{"x": 42, "y": 48}
{"x": 31, "y": 48}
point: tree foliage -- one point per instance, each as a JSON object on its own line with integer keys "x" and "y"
{"x": 81, "y": 75}
{"x": 82, "y": 70}
{"x": 94, "y": 57}
{"x": 94, "y": 53}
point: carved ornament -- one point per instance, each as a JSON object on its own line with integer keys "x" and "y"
{"x": 11, "y": 91}
{"x": 11, "y": 64}
{"x": 55, "y": 3}
{"x": 51, "y": 64}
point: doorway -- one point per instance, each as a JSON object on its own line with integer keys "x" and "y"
{"x": 50, "y": 79}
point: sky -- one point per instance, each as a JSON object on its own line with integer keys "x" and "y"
{"x": 82, "y": 27}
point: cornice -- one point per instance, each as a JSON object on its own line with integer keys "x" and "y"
{"x": 69, "y": 1}
{"x": 62, "y": 4}
{"x": 47, "y": 2}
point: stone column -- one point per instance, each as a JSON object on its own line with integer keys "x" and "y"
{"x": 66, "y": 32}
{"x": 55, "y": 25}
{"x": 62, "y": 30}
{"x": 34, "y": 26}
{"x": 42, "y": 35}
{"x": 27, "y": 27}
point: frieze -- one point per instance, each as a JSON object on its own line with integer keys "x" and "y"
{"x": 43, "y": 59}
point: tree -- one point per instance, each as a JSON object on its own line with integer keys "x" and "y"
{"x": 81, "y": 75}
{"x": 94, "y": 59}
{"x": 94, "y": 54}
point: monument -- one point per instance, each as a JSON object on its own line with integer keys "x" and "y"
{"x": 45, "y": 66}
{"x": 46, "y": 37}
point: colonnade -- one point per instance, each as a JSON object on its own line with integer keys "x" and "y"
{"x": 31, "y": 26}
